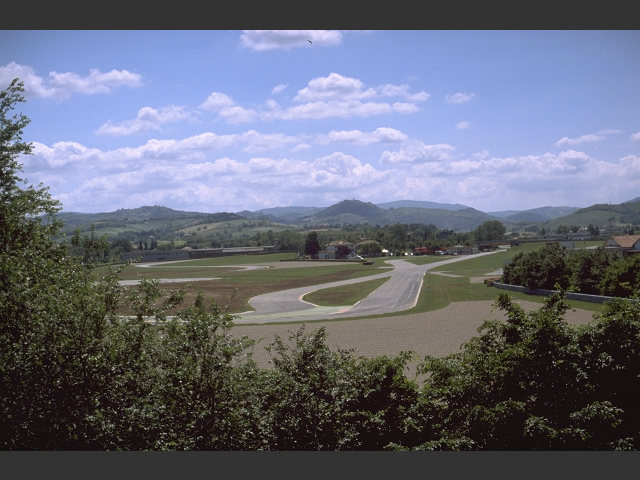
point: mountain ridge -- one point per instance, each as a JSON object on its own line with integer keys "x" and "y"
{"x": 449, "y": 216}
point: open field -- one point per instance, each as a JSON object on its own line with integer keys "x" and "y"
{"x": 438, "y": 333}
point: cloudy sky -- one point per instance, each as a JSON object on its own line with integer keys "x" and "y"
{"x": 227, "y": 120}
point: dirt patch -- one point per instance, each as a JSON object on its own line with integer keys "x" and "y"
{"x": 437, "y": 333}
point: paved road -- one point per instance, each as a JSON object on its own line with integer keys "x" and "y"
{"x": 397, "y": 294}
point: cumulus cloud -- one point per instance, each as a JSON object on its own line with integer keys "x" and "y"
{"x": 261, "y": 40}
{"x": 332, "y": 87}
{"x": 278, "y": 88}
{"x": 635, "y": 137}
{"x": 337, "y": 96}
{"x": 464, "y": 125}
{"x": 460, "y": 97}
{"x": 357, "y": 137}
{"x": 338, "y": 87}
{"x": 588, "y": 138}
{"x": 226, "y": 109}
{"x": 147, "y": 119}
{"x": 418, "y": 152}
{"x": 63, "y": 85}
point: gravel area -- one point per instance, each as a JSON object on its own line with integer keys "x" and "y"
{"x": 436, "y": 333}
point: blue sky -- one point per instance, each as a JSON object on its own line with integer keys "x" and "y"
{"x": 227, "y": 120}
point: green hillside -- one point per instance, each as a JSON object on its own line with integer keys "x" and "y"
{"x": 627, "y": 213}
{"x": 136, "y": 222}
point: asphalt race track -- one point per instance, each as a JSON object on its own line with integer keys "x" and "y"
{"x": 397, "y": 294}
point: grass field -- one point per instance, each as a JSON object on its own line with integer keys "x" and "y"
{"x": 344, "y": 295}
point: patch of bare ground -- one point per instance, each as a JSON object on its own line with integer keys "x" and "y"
{"x": 436, "y": 333}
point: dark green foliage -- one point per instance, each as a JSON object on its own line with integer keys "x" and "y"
{"x": 622, "y": 278}
{"x": 588, "y": 268}
{"x": 541, "y": 269}
{"x": 311, "y": 244}
{"x": 490, "y": 230}
{"x": 535, "y": 383}
{"x": 595, "y": 272}
{"x": 318, "y": 399}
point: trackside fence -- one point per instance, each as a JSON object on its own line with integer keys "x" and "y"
{"x": 547, "y": 293}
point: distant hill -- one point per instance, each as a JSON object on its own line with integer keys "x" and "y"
{"x": 533, "y": 215}
{"x": 600, "y": 214}
{"x": 290, "y": 215}
{"x": 136, "y": 220}
{"x": 164, "y": 222}
{"x": 421, "y": 204}
{"x": 357, "y": 212}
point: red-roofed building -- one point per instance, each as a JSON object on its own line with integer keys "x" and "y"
{"x": 624, "y": 244}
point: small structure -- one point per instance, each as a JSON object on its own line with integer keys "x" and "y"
{"x": 623, "y": 244}
{"x": 337, "y": 250}
{"x": 188, "y": 253}
{"x": 426, "y": 250}
{"x": 461, "y": 250}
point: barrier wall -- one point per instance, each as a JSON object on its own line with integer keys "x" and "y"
{"x": 547, "y": 293}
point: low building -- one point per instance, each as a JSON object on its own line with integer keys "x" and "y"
{"x": 337, "y": 250}
{"x": 187, "y": 253}
{"x": 426, "y": 250}
{"x": 623, "y": 244}
{"x": 461, "y": 250}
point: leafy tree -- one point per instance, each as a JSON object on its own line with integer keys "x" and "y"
{"x": 93, "y": 248}
{"x": 622, "y": 278}
{"x": 490, "y": 230}
{"x": 319, "y": 399}
{"x": 541, "y": 269}
{"x": 74, "y": 373}
{"x": 311, "y": 244}
{"x": 588, "y": 268}
{"x": 53, "y": 312}
{"x": 370, "y": 249}
{"x": 533, "y": 382}
{"x": 121, "y": 245}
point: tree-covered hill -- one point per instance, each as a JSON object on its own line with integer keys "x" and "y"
{"x": 627, "y": 213}
{"x": 125, "y": 221}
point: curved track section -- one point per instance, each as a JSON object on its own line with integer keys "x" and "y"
{"x": 397, "y": 294}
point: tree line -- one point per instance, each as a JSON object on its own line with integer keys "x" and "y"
{"x": 594, "y": 272}
{"x": 397, "y": 238}
{"x": 74, "y": 375}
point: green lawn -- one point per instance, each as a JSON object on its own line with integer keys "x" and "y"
{"x": 345, "y": 294}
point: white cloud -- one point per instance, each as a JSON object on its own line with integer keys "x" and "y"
{"x": 62, "y": 155}
{"x": 63, "y": 85}
{"x": 278, "y": 88}
{"x": 460, "y": 97}
{"x": 464, "y": 125}
{"x": 357, "y": 137}
{"x": 147, "y": 119}
{"x": 227, "y": 110}
{"x": 217, "y": 101}
{"x": 333, "y": 109}
{"x": 333, "y": 87}
{"x": 261, "y": 40}
{"x": 418, "y": 152}
{"x": 588, "y": 138}
{"x": 635, "y": 137}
